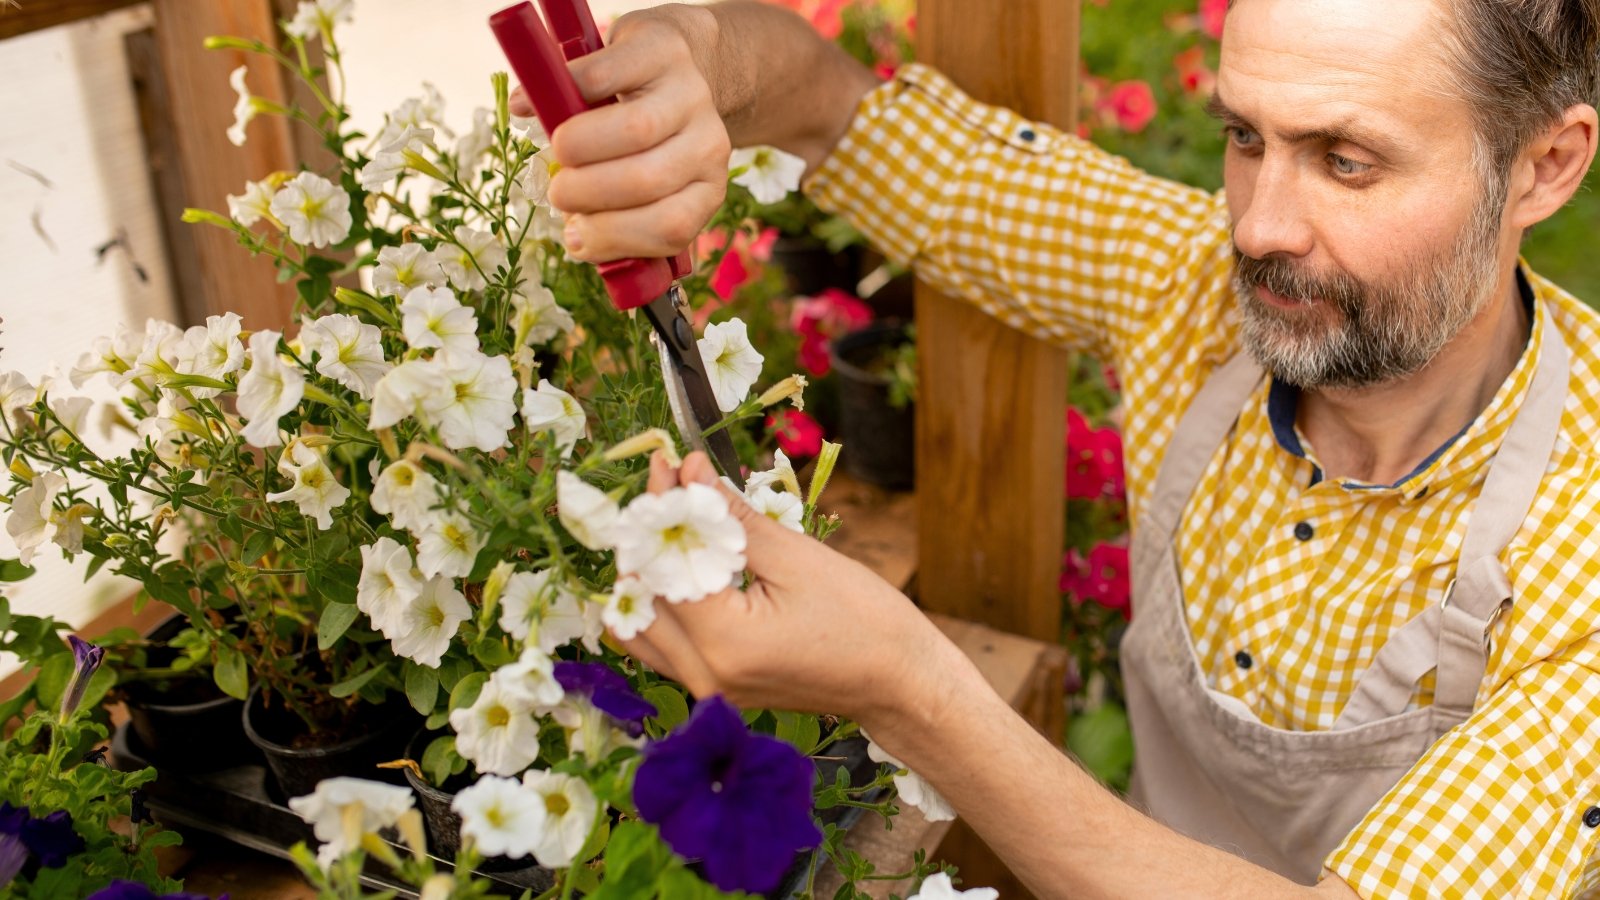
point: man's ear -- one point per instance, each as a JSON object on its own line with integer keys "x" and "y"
{"x": 1551, "y": 168}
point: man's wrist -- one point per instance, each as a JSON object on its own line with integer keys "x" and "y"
{"x": 925, "y": 676}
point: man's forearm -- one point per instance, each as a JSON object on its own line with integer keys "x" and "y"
{"x": 1059, "y": 830}
{"x": 777, "y": 82}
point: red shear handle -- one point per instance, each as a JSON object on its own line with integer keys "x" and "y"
{"x": 541, "y": 67}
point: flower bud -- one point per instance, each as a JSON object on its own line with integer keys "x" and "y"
{"x": 410, "y": 827}
{"x": 791, "y": 388}
{"x": 378, "y": 847}
{"x": 437, "y": 887}
{"x": 86, "y": 659}
{"x": 826, "y": 460}
{"x": 647, "y": 441}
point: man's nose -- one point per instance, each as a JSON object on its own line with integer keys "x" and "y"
{"x": 1275, "y": 221}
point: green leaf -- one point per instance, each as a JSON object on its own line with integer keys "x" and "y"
{"x": 54, "y": 673}
{"x": 436, "y": 760}
{"x": 799, "y": 729}
{"x": 255, "y": 547}
{"x": 335, "y": 621}
{"x": 422, "y": 687}
{"x": 355, "y": 682}
{"x": 466, "y": 690}
{"x": 14, "y": 570}
{"x": 5, "y": 615}
{"x": 1102, "y": 741}
{"x": 671, "y": 708}
{"x": 231, "y": 673}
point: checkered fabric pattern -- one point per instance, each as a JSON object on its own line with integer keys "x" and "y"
{"x": 1070, "y": 244}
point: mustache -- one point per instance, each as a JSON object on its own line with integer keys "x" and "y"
{"x": 1285, "y": 279}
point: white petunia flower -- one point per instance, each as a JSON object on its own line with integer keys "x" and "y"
{"x": 532, "y": 185}
{"x": 267, "y": 391}
{"x": 591, "y": 733}
{"x": 213, "y": 349}
{"x": 316, "y": 492}
{"x": 524, "y": 600}
{"x": 317, "y": 17}
{"x": 114, "y": 355}
{"x": 399, "y": 393}
{"x": 531, "y": 680}
{"x": 630, "y": 609}
{"x": 471, "y": 259}
{"x": 539, "y": 608}
{"x": 498, "y": 732}
{"x": 244, "y": 109}
{"x": 324, "y": 809}
{"x": 435, "y": 318}
{"x": 769, "y": 173}
{"x": 448, "y": 546}
{"x": 406, "y": 150}
{"x": 585, "y": 510}
{"x": 547, "y": 407}
{"x": 780, "y": 506}
{"x": 472, "y": 145}
{"x": 158, "y": 353}
{"x": 315, "y": 210}
{"x": 162, "y": 432}
{"x": 34, "y": 519}
{"x": 16, "y": 394}
{"x": 253, "y": 205}
{"x": 407, "y": 494}
{"x": 536, "y": 318}
{"x": 913, "y": 789}
{"x": 569, "y": 808}
{"x": 732, "y": 365}
{"x": 683, "y": 543}
{"x": 402, "y": 268}
{"x": 477, "y": 407}
{"x": 938, "y": 887}
{"x": 348, "y": 350}
{"x": 389, "y": 582}
{"x": 430, "y": 622}
{"x": 500, "y": 816}
{"x": 780, "y": 477}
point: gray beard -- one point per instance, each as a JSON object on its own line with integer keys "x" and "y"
{"x": 1380, "y": 332}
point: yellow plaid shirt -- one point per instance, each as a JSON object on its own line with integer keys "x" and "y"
{"x": 1075, "y": 246}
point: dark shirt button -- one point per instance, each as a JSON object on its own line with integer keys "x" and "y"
{"x": 1591, "y": 817}
{"x": 1303, "y": 531}
{"x": 1026, "y": 134}
{"x": 1243, "y": 660}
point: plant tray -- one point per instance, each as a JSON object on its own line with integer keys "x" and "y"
{"x": 241, "y": 805}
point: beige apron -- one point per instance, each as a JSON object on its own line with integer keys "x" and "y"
{"x": 1205, "y": 764}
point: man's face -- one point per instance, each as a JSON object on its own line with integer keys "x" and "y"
{"x": 1365, "y": 237}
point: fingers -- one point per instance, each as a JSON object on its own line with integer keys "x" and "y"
{"x": 665, "y": 647}
{"x": 662, "y": 475}
{"x": 658, "y": 229}
{"x": 772, "y": 552}
{"x": 518, "y": 102}
{"x": 642, "y": 176}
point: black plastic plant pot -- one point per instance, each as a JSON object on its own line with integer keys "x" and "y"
{"x": 442, "y": 822}
{"x": 879, "y": 440}
{"x": 377, "y": 735}
{"x": 812, "y": 268}
{"x": 188, "y": 723}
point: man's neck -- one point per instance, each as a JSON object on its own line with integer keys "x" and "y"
{"x": 1380, "y": 434}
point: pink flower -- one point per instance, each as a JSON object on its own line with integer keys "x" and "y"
{"x": 798, "y": 434}
{"x": 1133, "y": 104}
{"x": 740, "y": 264}
{"x": 823, "y": 319}
{"x": 1105, "y": 579}
{"x": 1194, "y": 75}
{"x": 1094, "y": 460}
{"x": 731, "y": 274}
{"x": 1212, "y": 14}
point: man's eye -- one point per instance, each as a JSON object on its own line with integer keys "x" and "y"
{"x": 1239, "y": 135}
{"x": 1344, "y": 165}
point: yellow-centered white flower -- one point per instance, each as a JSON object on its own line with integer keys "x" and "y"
{"x": 253, "y": 205}
{"x": 374, "y": 804}
{"x": 398, "y": 394}
{"x": 585, "y": 510}
{"x": 212, "y": 350}
{"x": 389, "y": 582}
{"x": 402, "y": 268}
{"x": 435, "y": 318}
{"x": 114, "y": 355}
{"x": 475, "y": 405}
{"x": 536, "y": 317}
{"x": 16, "y": 394}
{"x": 317, "y": 17}
{"x": 472, "y": 145}
{"x": 34, "y": 518}
{"x": 430, "y": 621}
{"x": 471, "y": 259}
{"x": 780, "y": 477}
{"x": 158, "y": 353}
{"x": 539, "y": 608}
{"x": 569, "y": 810}
{"x": 407, "y": 148}
{"x": 315, "y": 210}
{"x": 267, "y": 391}
{"x": 316, "y": 492}
{"x": 407, "y": 494}
{"x": 630, "y": 609}
{"x": 498, "y": 732}
{"x": 347, "y": 350}
{"x": 500, "y": 816}
{"x": 683, "y": 543}
{"x": 769, "y": 173}
{"x": 531, "y": 679}
{"x": 780, "y": 506}
{"x": 448, "y": 545}
{"x": 549, "y": 408}
{"x": 732, "y": 365}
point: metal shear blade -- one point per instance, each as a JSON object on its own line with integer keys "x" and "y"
{"x": 694, "y": 404}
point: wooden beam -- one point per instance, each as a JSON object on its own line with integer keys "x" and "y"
{"x": 990, "y": 430}
{"x": 22, "y": 16}
{"x": 201, "y": 103}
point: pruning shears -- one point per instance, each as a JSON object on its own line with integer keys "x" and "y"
{"x": 538, "y": 58}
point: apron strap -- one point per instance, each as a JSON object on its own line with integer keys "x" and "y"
{"x": 1453, "y": 637}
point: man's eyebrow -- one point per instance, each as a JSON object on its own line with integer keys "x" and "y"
{"x": 1336, "y": 133}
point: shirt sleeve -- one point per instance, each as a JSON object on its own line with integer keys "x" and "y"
{"x": 1039, "y": 228}
{"x": 1507, "y": 804}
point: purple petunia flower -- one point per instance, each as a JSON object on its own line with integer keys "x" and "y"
{"x": 608, "y": 691}
{"x": 133, "y": 890}
{"x": 739, "y": 801}
{"x": 52, "y": 839}
{"x": 13, "y": 855}
{"x": 86, "y": 659}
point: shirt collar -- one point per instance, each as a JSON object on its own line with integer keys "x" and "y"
{"x": 1483, "y": 433}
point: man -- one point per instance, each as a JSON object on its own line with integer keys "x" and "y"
{"x": 1365, "y": 659}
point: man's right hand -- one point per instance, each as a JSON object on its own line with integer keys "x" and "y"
{"x": 641, "y": 177}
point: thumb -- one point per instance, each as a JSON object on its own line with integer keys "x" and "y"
{"x": 770, "y": 548}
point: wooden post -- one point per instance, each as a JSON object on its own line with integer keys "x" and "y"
{"x": 200, "y": 103}
{"x": 991, "y": 402}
